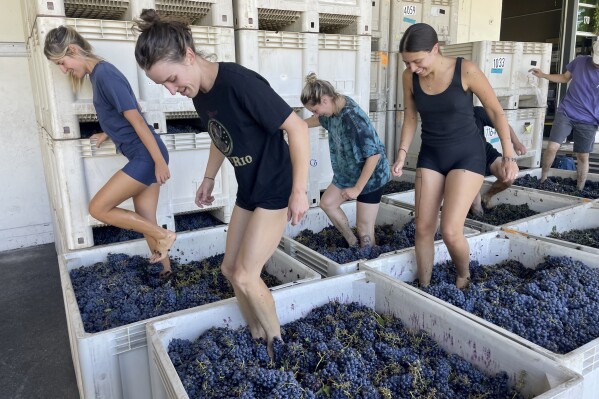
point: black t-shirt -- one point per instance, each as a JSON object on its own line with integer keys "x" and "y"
{"x": 243, "y": 115}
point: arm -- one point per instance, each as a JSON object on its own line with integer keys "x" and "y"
{"x": 299, "y": 150}
{"x": 312, "y": 121}
{"x": 147, "y": 138}
{"x": 474, "y": 80}
{"x": 204, "y": 193}
{"x": 553, "y": 77}
{"x": 367, "y": 171}
{"x": 409, "y": 124}
{"x": 518, "y": 146}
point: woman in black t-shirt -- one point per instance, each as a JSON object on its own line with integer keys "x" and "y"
{"x": 245, "y": 119}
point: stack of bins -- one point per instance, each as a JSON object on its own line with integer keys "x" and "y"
{"x": 379, "y": 62}
{"x": 286, "y": 40}
{"x": 441, "y": 15}
{"x": 522, "y": 96}
{"x": 75, "y": 168}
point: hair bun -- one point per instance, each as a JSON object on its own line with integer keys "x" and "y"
{"x": 311, "y": 78}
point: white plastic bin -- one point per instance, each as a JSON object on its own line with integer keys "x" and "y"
{"x": 577, "y": 218}
{"x": 379, "y": 120}
{"x": 379, "y": 62}
{"x": 553, "y": 172}
{"x": 492, "y": 248}
{"x": 454, "y": 333}
{"x": 499, "y": 61}
{"x": 196, "y": 12}
{"x": 443, "y": 16}
{"x": 538, "y": 201}
{"x": 316, "y": 220}
{"x": 532, "y": 91}
{"x": 114, "y": 364}
{"x": 304, "y": 16}
{"x": 76, "y": 170}
{"x": 402, "y": 197}
{"x": 404, "y": 13}
{"x": 381, "y": 18}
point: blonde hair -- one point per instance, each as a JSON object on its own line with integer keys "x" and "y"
{"x": 57, "y": 45}
{"x": 315, "y": 89}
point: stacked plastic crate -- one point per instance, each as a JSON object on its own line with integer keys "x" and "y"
{"x": 286, "y": 40}
{"x": 75, "y": 169}
{"x": 441, "y": 15}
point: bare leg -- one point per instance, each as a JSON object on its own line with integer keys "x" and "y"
{"x": 498, "y": 186}
{"x": 261, "y": 237}
{"x": 237, "y": 227}
{"x": 548, "y": 158}
{"x": 582, "y": 169}
{"x": 330, "y": 203}
{"x": 146, "y": 204}
{"x": 429, "y": 191}
{"x": 119, "y": 188}
{"x": 460, "y": 187}
{"x": 365, "y": 221}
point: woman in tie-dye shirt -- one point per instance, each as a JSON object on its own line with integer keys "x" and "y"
{"x": 360, "y": 166}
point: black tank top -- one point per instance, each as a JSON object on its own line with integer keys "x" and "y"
{"x": 447, "y": 117}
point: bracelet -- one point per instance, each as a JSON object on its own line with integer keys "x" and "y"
{"x": 507, "y": 159}
{"x": 402, "y": 149}
{"x": 211, "y": 178}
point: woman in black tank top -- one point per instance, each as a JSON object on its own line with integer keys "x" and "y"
{"x": 451, "y": 163}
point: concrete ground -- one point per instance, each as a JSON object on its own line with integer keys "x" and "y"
{"x": 35, "y": 356}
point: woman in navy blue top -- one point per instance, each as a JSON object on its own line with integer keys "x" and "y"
{"x": 451, "y": 163}
{"x": 245, "y": 119}
{"x": 358, "y": 159}
{"x": 121, "y": 119}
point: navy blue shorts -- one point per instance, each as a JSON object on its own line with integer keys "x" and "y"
{"x": 443, "y": 159}
{"x": 141, "y": 165}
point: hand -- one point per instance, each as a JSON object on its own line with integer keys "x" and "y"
{"x": 204, "y": 193}
{"x": 298, "y": 206}
{"x": 509, "y": 170}
{"x": 520, "y": 149}
{"x": 162, "y": 172}
{"x": 397, "y": 168}
{"x": 537, "y": 72}
{"x": 350, "y": 193}
{"x": 99, "y": 138}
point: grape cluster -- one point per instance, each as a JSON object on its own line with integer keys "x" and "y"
{"x": 397, "y": 187}
{"x": 588, "y": 237}
{"x": 330, "y": 243}
{"x": 126, "y": 289}
{"x": 562, "y": 185}
{"x": 109, "y": 235}
{"x": 503, "y": 213}
{"x": 195, "y": 221}
{"x": 555, "y": 305}
{"x": 338, "y": 351}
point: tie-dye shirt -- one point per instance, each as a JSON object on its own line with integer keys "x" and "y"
{"x": 352, "y": 139}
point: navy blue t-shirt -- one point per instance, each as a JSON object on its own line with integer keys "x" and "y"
{"x": 243, "y": 115}
{"x": 113, "y": 96}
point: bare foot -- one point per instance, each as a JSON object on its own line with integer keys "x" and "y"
{"x": 462, "y": 282}
{"x": 165, "y": 274}
{"x": 162, "y": 246}
{"x": 485, "y": 200}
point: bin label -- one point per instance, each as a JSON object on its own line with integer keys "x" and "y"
{"x": 409, "y": 10}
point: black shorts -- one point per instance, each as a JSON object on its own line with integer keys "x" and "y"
{"x": 269, "y": 203}
{"x": 373, "y": 197}
{"x": 443, "y": 159}
{"x": 492, "y": 155}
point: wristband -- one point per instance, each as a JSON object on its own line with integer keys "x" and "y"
{"x": 507, "y": 159}
{"x": 206, "y": 177}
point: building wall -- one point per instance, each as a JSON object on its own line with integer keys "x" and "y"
{"x": 25, "y": 215}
